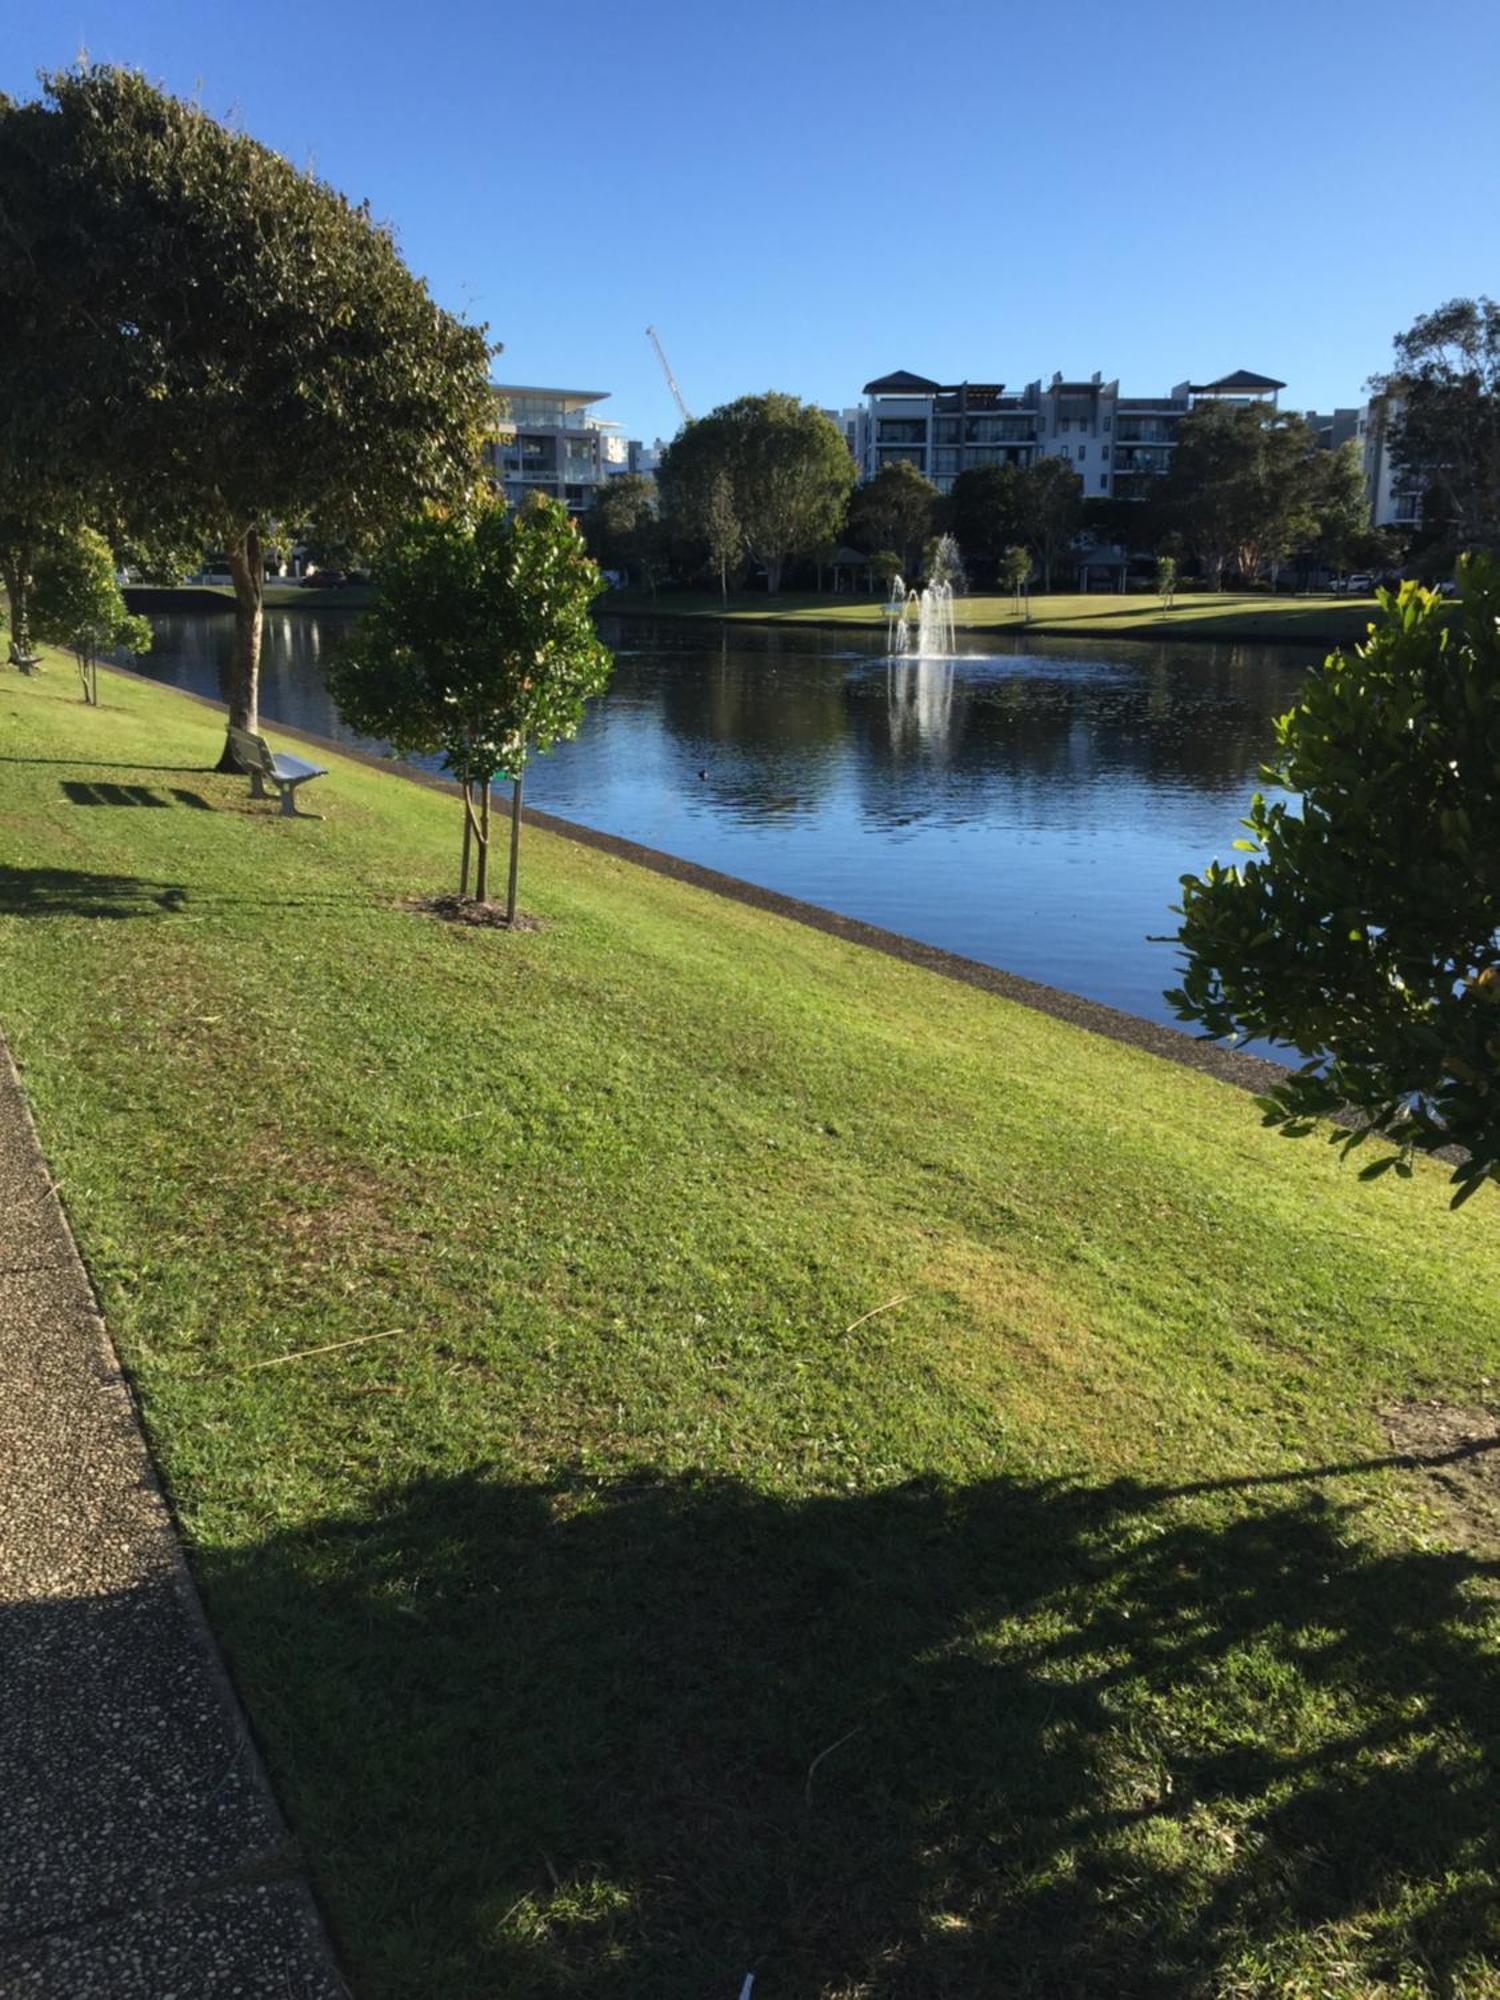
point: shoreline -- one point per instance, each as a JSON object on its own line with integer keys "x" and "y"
{"x": 1254, "y": 1073}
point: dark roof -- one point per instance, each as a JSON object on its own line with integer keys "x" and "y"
{"x": 901, "y": 384}
{"x": 1242, "y": 378}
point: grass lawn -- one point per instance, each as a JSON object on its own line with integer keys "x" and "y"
{"x": 276, "y": 597}
{"x": 1077, "y": 615}
{"x": 867, "y": 1484}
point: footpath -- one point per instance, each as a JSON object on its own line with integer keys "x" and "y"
{"x": 142, "y": 1854}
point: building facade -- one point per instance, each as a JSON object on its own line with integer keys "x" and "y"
{"x": 1117, "y": 444}
{"x": 1395, "y": 498}
{"x": 551, "y": 441}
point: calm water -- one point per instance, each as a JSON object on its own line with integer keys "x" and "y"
{"x": 1031, "y": 803}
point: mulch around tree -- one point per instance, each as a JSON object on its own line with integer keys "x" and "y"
{"x": 468, "y": 910}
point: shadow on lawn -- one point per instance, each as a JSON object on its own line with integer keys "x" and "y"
{"x": 1041, "y": 1740}
{"x": 101, "y": 792}
{"x": 79, "y": 892}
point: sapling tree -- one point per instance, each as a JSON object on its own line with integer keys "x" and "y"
{"x": 479, "y": 648}
{"x": 1166, "y": 581}
{"x": 76, "y": 603}
{"x": 1015, "y": 572}
{"x": 1364, "y": 931}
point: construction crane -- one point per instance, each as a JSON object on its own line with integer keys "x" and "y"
{"x": 666, "y": 369}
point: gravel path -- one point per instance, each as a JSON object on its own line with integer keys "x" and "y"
{"x": 141, "y": 1852}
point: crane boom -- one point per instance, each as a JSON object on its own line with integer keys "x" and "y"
{"x": 666, "y": 369}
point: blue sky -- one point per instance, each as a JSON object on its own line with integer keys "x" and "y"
{"x": 801, "y": 196}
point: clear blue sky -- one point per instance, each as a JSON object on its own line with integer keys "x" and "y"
{"x": 804, "y": 195}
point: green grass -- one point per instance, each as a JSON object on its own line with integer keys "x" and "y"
{"x": 276, "y": 596}
{"x": 868, "y": 1485}
{"x": 1078, "y": 615}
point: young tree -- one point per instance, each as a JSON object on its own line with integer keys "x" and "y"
{"x": 479, "y": 648}
{"x": 894, "y": 510}
{"x": 1365, "y": 930}
{"x": 259, "y": 352}
{"x": 1166, "y": 580}
{"x": 788, "y": 468}
{"x": 722, "y": 530}
{"x": 1051, "y": 497}
{"x": 1015, "y": 572}
{"x": 1442, "y": 401}
{"x": 77, "y": 603}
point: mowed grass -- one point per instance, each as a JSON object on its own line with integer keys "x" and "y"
{"x": 866, "y": 1485}
{"x": 1075, "y": 614}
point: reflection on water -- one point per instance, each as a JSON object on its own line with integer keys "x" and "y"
{"x": 1030, "y": 802}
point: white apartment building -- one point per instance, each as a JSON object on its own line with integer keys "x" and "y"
{"x": 1395, "y": 501}
{"x": 552, "y": 442}
{"x": 1116, "y": 444}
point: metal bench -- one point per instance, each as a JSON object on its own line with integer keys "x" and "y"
{"x": 256, "y": 756}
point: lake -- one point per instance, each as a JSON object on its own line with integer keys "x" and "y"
{"x": 1030, "y": 803}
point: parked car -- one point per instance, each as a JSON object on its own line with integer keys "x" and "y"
{"x": 1361, "y": 584}
{"x": 323, "y": 579}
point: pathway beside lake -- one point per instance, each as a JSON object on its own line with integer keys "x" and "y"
{"x": 141, "y": 1848}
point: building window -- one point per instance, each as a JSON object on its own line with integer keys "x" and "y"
{"x": 1083, "y": 452}
{"x": 1103, "y": 481}
{"x": 1104, "y": 453}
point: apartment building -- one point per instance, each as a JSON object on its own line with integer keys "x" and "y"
{"x": 1395, "y": 499}
{"x": 552, "y": 441}
{"x": 1117, "y": 444}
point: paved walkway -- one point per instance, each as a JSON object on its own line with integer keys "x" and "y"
{"x": 141, "y": 1852}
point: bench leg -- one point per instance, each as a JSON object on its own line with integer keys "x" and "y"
{"x": 289, "y": 807}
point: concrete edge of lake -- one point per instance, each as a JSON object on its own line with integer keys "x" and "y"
{"x": 1232, "y": 1066}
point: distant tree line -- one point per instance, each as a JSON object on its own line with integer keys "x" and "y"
{"x": 765, "y": 487}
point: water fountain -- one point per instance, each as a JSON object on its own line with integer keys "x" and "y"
{"x": 929, "y": 610}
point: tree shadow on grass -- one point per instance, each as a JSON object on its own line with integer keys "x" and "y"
{"x": 641, "y": 1738}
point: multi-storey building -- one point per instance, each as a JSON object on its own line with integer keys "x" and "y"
{"x": 1395, "y": 497}
{"x": 1117, "y": 444}
{"x": 550, "y": 441}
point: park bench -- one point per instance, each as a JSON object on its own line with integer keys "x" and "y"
{"x": 256, "y": 756}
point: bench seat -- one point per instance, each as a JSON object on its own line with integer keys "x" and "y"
{"x": 255, "y": 755}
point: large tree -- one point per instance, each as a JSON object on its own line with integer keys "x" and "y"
{"x": 260, "y": 354}
{"x": 480, "y": 648}
{"x": 1364, "y": 931}
{"x": 897, "y": 509}
{"x": 1441, "y": 407}
{"x": 51, "y": 471}
{"x": 984, "y": 514}
{"x": 1242, "y": 485}
{"x": 788, "y": 468}
{"x": 1050, "y": 496}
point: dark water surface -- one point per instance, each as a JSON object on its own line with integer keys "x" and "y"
{"x": 1031, "y": 803}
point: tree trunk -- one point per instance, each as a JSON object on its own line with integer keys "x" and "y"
{"x": 17, "y": 573}
{"x": 482, "y": 861}
{"x": 515, "y": 844}
{"x": 463, "y": 873}
{"x": 240, "y": 682}
{"x": 724, "y": 582}
{"x": 773, "y": 575}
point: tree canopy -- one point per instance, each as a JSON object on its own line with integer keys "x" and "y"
{"x": 897, "y": 509}
{"x": 1442, "y": 410}
{"x": 78, "y": 604}
{"x": 256, "y": 350}
{"x": 788, "y": 468}
{"x": 479, "y": 648}
{"x": 1364, "y": 932}
{"x": 1243, "y": 484}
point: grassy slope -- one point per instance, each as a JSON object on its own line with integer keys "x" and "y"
{"x": 1197, "y": 615}
{"x": 634, "y": 1619}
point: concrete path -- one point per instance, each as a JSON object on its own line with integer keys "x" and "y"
{"x": 142, "y": 1856}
